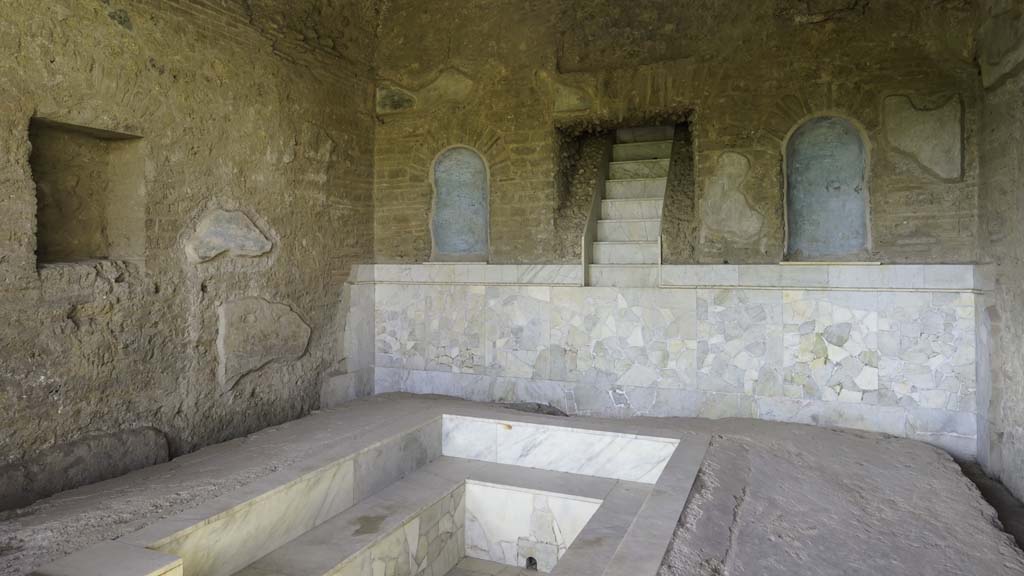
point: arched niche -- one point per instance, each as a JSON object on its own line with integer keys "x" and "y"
{"x": 460, "y": 221}
{"x": 826, "y": 191}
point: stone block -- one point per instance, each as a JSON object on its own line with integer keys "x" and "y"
{"x": 223, "y": 231}
{"x": 254, "y": 332}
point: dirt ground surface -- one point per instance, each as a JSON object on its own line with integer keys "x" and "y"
{"x": 770, "y": 499}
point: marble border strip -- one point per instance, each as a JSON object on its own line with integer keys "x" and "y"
{"x": 477, "y": 274}
{"x": 859, "y": 277}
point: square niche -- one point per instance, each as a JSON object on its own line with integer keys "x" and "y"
{"x": 90, "y": 193}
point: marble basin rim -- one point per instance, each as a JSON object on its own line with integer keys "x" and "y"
{"x": 223, "y": 535}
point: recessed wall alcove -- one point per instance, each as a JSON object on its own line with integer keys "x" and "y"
{"x": 90, "y": 193}
{"x": 459, "y": 223}
{"x": 826, "y": 191}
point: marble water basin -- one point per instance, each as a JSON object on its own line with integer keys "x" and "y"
{"x": 423, "y": 493}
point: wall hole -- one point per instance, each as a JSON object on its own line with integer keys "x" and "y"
{"x": 531, "y": 563}
{"x": 90, "y": 193}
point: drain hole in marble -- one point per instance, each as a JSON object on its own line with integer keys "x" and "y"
{"x": 531, "y": 563}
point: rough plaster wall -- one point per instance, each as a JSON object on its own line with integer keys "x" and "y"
{"x": 679, "y": 221}
{"x": 500, "y": 75}
{"x": 236, "y": 112}
{"x": 1001, "y": 211}
{"x": 584, "y": 161}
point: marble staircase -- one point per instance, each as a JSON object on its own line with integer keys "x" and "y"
{"x": 627, "y": 249}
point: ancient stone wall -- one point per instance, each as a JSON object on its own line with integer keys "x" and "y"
{"x": 1001, "y": 211}
{"x": 501, "y": 76}
{"x": 255, "y": 126}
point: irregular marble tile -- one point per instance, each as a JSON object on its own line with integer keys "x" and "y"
{"x": 739, "y": 348}
{"x": 400, "y": 326}
{"x": 517, "y": 330}
{"x": 430, "y": 544}
{"x": 626, "y": 337}
{"x": 830, "y": 347}
{"x": 454, "y": 328}
{"x": 927, "y": 349}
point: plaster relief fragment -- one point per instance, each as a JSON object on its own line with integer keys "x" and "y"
{"x": 253, "y": 332}
{"x": 931, "y": 137}
{"x": 391, "y": 99}
{"x": 724, "y": 208}
{"x": 222, "y": 231}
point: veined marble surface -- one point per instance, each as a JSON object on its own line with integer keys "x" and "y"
{"x": 589, "y": 452}
{"x": 509, "y": 524}
{"x": 880, "y": 348}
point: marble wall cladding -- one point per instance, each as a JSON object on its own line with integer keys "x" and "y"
{"x": 430, "y": 544}
{"x": 229, "y": 541}
{"x": 390, "y": 460}
{"x": 508, "y": 525}
{"x": 589, "y": 452}
{"x": 812, "y": 355}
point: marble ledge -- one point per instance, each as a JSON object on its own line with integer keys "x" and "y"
{"x": 894, "y": 277}
{"x": 479, "y": 274}
{"x": 889, "y": 277}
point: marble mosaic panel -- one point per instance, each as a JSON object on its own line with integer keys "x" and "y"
{"x": 400, "y": 326}
{"x": 454, "y": 328}
{"x": 430, "y": 544}
{"x": 507, "y": 525}
{"x": 700, "y": 351}
{"x": 623, "y": 338}
{"x": 830, "y": 343}
{"x": 518, "y": 329}
{"x": 927, "y": 350}
{"x": 739, "y": 348}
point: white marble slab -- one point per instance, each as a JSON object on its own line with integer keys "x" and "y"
{"x": 508, "y": 524}
{"x": 587, "y": 452}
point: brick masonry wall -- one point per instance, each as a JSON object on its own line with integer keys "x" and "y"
{"x": 241, "y": 106}
{"x": 501, "y": 75}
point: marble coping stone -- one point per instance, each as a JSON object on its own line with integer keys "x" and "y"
{"x": 480, "y": 274}
{"x": 889, "y": 277}
{"x": 114, "y": 559}
{"x": 914, "y": 277}
{"x": 230, "y": 532}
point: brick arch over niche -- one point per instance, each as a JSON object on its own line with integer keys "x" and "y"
{"x": 460, "y": 211}
{"x": 826, "y": 164}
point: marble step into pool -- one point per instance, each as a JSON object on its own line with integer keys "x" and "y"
{"x": 419, "y": 494}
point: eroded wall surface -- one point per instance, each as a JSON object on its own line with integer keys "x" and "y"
{"x": 255, "y": 119}
{"x": 502, "y": 76}
{"x": 1001, "y": 210}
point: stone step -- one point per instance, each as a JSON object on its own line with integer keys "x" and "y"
{"x": 627, "y": 253}
{"x": 642, "y": 150}
{"x": 638, "y": 169}
{"x": 624, "y": 276}
{"x": 644, "y": 134}
{"x": 628, "y": 230}
{"x": 631, "y": 209}
{"x": 636, "y": 188}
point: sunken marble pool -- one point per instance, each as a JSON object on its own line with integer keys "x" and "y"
{"x": 475, "y": 490}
